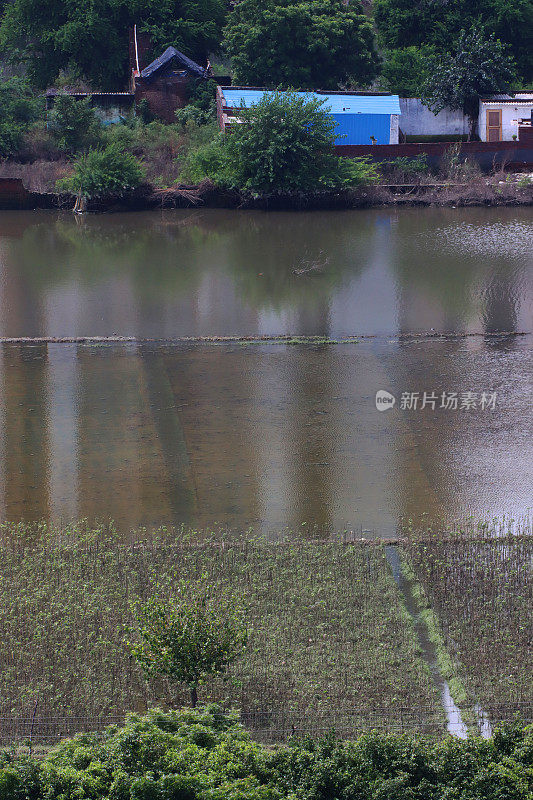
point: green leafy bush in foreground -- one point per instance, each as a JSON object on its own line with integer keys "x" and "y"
{"x": 105, "y": 171}
{"x": 283, "y": 144}
{"x": 206, "y": 755}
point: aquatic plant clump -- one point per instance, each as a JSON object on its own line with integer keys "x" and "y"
{"x": 329, "y": 642}
{"x": 481, "y": 590}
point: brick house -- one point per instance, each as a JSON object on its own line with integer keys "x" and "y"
{"x": 164, "y": 83}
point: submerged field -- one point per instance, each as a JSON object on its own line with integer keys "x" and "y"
{"x": 481, "y": 590}
{"x": 330, "y": 642}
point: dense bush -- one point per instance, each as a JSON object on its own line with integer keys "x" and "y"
{"x": 201, "y": 106}
{"x": 284, "y": 144}
{"x": 19, "y": 108}
{"x": 206, "y": 755}
{"x": 105, "y": 171}
{"x": 74, "y": 123}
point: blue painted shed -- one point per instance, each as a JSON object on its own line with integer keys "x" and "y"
{"x": 360, "y": 118}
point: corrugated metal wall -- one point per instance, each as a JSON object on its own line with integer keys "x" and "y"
{"x": 358, "y": 128}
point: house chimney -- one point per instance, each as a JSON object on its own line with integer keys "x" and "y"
{"x": 139, "y": 47}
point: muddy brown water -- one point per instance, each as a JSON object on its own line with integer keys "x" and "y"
{"x": 266, "y": 435}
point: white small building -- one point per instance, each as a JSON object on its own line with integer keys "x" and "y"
{"x": 501, "y": 116}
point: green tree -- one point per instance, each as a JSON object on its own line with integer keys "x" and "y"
{"x": 74, "y": 123}
{"x": 283, "y": 144}
{"x": 406, "y": 23}
{"x": 479, "y": 65}
{"x": 102, "y": 171}
{"x": 19, "y": 108}
{"x": 92, "y": 38}
{"x": 189, "y": 636}
{"x": 302, "y": 43}
{"x": 405, "y": 70}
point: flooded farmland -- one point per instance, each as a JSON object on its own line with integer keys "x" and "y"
{"x": 274, "y": 434}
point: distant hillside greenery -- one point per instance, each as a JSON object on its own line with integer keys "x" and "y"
{"x": 301, "y": 44}
{"x": 298, "y": 43}
{"x": 207, "y": 755}
{"x": 90, "y": 40}
{"x": 404, "y": 24}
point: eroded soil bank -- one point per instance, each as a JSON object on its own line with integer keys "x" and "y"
{"x": 481, "y": 192}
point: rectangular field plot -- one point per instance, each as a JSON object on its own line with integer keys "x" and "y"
{"x": 330, "y": 644}
{"x": 481, "y": 590}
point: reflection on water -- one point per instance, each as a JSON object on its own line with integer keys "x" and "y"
{"x": 262, "y": 435}
{"x": 212, "y": 272}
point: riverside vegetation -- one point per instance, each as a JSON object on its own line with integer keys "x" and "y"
{"x": 284, "y": 152}
{"x": 206, "y": 755}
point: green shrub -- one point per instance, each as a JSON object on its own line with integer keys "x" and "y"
{"x": 418, "y": 165}
{"x": 104, "y": 171}
{"x": 201, "y": 104}
{"x": 284, "y": 144}
{"x": 208, "y": 160}
{"x": 19, "y": 109}
{"x": 204, "y": 754}
{"x": 74, "y": 123}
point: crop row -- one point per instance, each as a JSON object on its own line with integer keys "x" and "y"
{"x": 329, "y": 638}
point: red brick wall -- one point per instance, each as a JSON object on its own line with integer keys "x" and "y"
{"x": 525, "y": 134}
{"x": 486, "y": 153}
{"x": 13, "y": 194}
{"x": 164, "y": 94}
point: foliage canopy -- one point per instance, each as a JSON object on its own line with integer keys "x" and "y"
{"x": 404, "y": 23}
{"x": 478, "y": 65}
{"x": 301, "y": 43}
{"x": 92, "y": 38}
{"x": 206, "y": 755}
{"x": 103, "y": 171}
{"x": 405, "y": 70}
{"x": 188, "y": 636}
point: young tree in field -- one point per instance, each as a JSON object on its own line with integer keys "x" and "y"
{"x": 100, "y": 172}
{"x": 301, "y": 43}
{"x": 91, "y": 38}
{"x": 285, "y": 144}
{"x": 480, "y": 65}
{"x": 189, "y": 636}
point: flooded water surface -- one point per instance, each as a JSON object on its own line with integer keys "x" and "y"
{"x": 267, "y": 435}
{"x": 212, "y": 272}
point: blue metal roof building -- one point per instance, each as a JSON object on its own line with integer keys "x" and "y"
{"x": 360, "y": 118}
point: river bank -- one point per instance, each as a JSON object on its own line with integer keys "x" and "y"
{"x": 514, "y": 190}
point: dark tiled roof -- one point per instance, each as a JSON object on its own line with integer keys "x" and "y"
{"x": 169, "y": 54}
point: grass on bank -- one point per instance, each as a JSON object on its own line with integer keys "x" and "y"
{"x": 330, "y": 644}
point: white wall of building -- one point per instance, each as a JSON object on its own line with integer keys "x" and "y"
{"x": 419, "y": 119}
{"x": 394, "y": 129}
{"x": 512, "y": 113}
